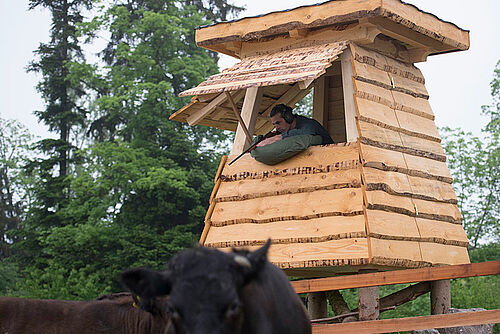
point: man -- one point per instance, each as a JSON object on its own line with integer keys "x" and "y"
{"x": 288, "y": 124}
{"x": 295, "y": 134}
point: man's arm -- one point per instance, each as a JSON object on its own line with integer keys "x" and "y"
{"x": 269, "y": 140}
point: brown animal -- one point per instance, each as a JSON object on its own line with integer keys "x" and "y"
{"x": 113, "y": 313}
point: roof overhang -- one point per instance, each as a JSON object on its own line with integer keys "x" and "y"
{"x": 418, "y": 30}
{"x": 286, "y": 77}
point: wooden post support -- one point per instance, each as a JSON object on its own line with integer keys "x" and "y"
{"x": 440, "y": 296}
{"x": 368, "y": 301}
{"x": 249, "y": 113}
{"x": 316, "y": 304}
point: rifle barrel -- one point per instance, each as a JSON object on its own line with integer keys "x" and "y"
{"x": 267, "y": 135}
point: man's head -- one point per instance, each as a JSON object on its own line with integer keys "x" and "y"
{"x": 282, "y": 118}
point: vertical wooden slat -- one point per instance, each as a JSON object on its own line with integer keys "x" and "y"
{"x": 348, "y": 88}
{"x": 249, "y": 113}
{"x": 221, "y": 167}
{"x": 206, "y": 228}
{"x": 320, "y": 112}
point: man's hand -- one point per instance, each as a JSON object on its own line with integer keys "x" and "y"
{"x": 269, "y": 140}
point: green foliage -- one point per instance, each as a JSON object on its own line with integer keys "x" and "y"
{"x": 137, "y": 191}
{"x": 9, "y": 276}
{"x": 14, "y": 183}
{"x": 489, "y": 252}
{"x": 305, "y": 106}
{"x": 82, "y": 262}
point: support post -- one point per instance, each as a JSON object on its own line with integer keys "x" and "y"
{"x": 440, "y": 296}
{"x": 316, "y": 305}
{"x": 368, "y": 301}
{"x": 249, "y": 113}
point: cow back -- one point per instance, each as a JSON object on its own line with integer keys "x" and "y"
{"x": 44, "y": 316}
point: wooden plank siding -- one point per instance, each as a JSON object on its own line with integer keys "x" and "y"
{"x": 337, "y": 202}
{"x": 314, "y": 159}
{"x": 311, "y": 205}
{"x": 341, "y": 252}
{"x": 389, "y": 160}
{"x": 411, "y": 206}
{"x": 290, "y": 231}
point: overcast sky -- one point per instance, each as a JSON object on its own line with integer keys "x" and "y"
{"x": 458, "y": 83}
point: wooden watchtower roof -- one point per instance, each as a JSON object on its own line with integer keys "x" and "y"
{"x": 381, "y": 197}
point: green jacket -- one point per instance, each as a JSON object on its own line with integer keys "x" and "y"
{"x": 308, "y": 126}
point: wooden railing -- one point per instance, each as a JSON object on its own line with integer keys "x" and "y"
{"x": 397, "y": 277}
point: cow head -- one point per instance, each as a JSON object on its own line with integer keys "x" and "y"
{"x": 204, "y": 288}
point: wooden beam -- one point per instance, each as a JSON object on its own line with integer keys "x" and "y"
{"x": 283, "y": 99}
{"x": 298, "y": 33}
{"x": 417, "y": 55}
{"x": 408, "y": 324}
{"x": 238, "y": 117}
{"x": 335, "y": 12}
{"x": 305, "y": 84}
{"x": 249, "y": 113}
{"x": 221, "y": 111}
{"x": 348, "y": 88}
{"x": 398, "y": 276}
{"x": 196, "y": 117}
{"x": 406, "y": 35}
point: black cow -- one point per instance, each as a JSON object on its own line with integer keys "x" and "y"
{"x": 214, "y": 292}
{"x": 113, "y": 314}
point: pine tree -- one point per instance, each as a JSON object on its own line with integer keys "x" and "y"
{"x": 62, "y": 113}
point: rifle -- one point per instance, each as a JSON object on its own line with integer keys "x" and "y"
{"x": 254, "y": 145}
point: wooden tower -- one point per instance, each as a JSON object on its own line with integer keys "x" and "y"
{"x": 382, "y": 197}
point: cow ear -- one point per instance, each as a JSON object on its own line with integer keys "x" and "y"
{"x": 259, "y": 257}
{"x": 250, "y": 263}
{"x": 147, "y": 283}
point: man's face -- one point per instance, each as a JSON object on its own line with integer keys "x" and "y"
{"x": 280, "y": 124}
